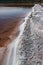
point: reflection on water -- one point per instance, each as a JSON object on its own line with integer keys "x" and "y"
{"x": 6, "y": 12}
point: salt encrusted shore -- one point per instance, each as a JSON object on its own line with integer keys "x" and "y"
{"x": 30, "y": 48}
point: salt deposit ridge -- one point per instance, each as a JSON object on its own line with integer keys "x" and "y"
{"x": 30, "y": 51}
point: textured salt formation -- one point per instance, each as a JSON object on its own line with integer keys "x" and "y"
{"x": 30, "y": 49}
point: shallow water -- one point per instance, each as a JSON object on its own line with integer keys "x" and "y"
{"x": 7, "y": 12}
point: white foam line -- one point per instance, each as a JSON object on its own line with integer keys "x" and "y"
{"x": 22, "y": 26}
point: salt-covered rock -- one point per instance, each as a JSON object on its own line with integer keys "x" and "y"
{"x": 30, "y": 50}
{"x": 37, "y": 8}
